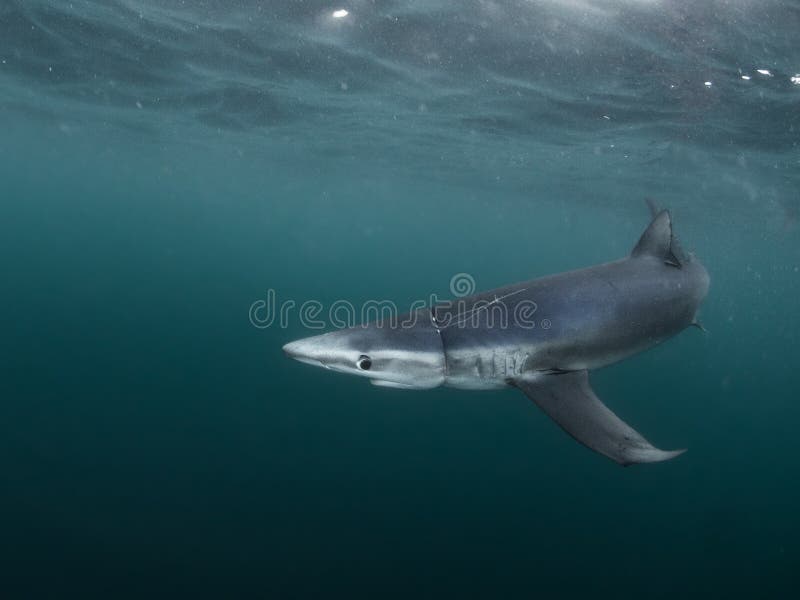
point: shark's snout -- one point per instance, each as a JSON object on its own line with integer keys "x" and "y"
{"x": 293, "y": 349}
{"x": 305, "y": 352}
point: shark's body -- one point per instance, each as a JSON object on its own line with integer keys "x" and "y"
{"x": 541, "y": 336}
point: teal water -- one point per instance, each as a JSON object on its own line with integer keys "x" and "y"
{"x": 164, "y": 165}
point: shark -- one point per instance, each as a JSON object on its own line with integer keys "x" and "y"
{"x": 590, "y": 318}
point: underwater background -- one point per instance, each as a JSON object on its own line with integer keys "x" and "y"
{"x": 164, "y": 164}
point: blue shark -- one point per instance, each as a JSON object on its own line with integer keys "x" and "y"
{"x": 596, "y": 316}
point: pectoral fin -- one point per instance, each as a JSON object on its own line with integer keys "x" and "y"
{"x": 569, "y": 401}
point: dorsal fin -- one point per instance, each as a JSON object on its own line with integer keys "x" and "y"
{"x": 653, "y": 207}
{"x": 657, "y": 240}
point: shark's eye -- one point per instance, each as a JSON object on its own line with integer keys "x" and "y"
{"x": 364, "y": 362}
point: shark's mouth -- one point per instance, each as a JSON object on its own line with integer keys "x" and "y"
{"x": 311, "y": 361}
{"x": 395, "y": 384}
